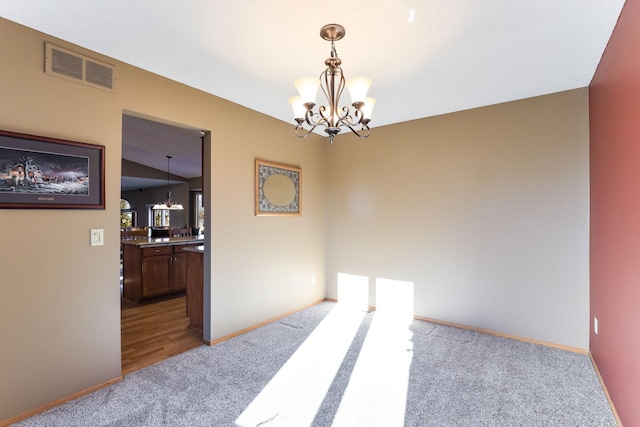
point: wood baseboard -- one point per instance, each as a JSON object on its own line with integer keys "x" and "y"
{"x": 606, "y": 392}
{"x": 503, "y": 335}
{"x": 490, "y": 332}
{"x": 257, "y": 325}
{"x": 46, "y": 407}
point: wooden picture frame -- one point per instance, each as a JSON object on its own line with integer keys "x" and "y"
{"x": 38, "y": 172}
{"x": 278, "y": 189}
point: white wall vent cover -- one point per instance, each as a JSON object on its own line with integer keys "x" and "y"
{"x": 69, "y": 65}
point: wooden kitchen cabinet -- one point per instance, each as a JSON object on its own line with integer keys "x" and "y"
{"x": 195, "y": 286}
{"x": 156, "y": 275}
{"x": 179, "y": 268}
{"x": 154, "y": 271}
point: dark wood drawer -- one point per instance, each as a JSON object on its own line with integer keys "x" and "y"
{"x": 178, "y": 248}
{"x": 158, "y": 250}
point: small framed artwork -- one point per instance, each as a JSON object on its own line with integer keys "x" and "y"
{"x": 38, "y": 172}
{"x": 278, "y": 189}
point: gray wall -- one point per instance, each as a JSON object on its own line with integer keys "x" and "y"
{"x": 179, "y": 193}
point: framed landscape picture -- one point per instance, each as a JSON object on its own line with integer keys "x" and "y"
{"x": 49, "y": 173}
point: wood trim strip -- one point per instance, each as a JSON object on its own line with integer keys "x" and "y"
{"x": 490, "y": 332}
{"x": 257, "y": 325}
{"x": 503, "y": 335}
{"x": 58, "y": 402}
{"x": 606, "y": 392}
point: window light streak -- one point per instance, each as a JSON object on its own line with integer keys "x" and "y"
{"x": 377, "y": 390}
{"x": 295, "y": 393}
{"x": 395, "y": 298}
{"x": 353, "y": 291}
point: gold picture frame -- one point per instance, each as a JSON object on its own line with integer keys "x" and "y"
{"x": 278, "y": 189}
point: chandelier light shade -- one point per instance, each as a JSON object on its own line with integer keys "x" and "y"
{"x": 308, "y": 89}
{"x": 299, "y": 110}
{"x": 168, "y": 204}
{"x": 358, "y": 87}
{"x": 331, "y": 116}
{"x": 368, "y": 106}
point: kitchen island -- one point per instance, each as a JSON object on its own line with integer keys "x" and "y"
{"x": 154, "y": 268}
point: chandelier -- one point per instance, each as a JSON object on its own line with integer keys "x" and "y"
{"x": 332, "y": 117}
{"x": 168, "y": 204}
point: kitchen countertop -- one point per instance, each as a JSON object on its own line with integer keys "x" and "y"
{"x": 164, "y": 241}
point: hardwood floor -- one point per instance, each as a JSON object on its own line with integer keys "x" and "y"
{"x": 154, "y": 332}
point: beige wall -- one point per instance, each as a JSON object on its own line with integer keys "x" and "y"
{"x": 60, "y": 309}
{"x": 263, "y": 265}
{"x": 485, "y": 211}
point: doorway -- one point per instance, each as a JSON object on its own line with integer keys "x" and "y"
{"x": 156, "y": 326}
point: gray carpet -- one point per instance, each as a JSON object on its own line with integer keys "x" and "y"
{"x": 353, "y": 370}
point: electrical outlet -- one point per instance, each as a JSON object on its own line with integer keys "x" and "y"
{"x": 595, "y": 325}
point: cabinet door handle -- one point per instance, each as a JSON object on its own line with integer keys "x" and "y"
{"x": 157, "y": 250}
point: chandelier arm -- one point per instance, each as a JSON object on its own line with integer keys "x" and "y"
{"x": 327, "y": 117}
{"x": 324, "y": 86}
{"x": 311, "y": 121}
{"x": 301, "y": 132}
{"x": 324, "y": 117}
{"x": 362, "y": 133}
{"x": 347, "y": 119}
{"x": 346, "y": 115}
{"x": 359, "y": 115}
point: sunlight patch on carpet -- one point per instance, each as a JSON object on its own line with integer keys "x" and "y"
{"x": 294, "y": 395}
{"x": 377, "y": 391}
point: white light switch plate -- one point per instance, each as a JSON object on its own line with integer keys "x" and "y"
{"x": 97, "y": 237}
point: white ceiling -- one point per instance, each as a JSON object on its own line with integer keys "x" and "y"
{"x": 455, "y": 55}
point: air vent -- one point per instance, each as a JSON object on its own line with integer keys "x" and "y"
{"x": 79, "y": 68}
